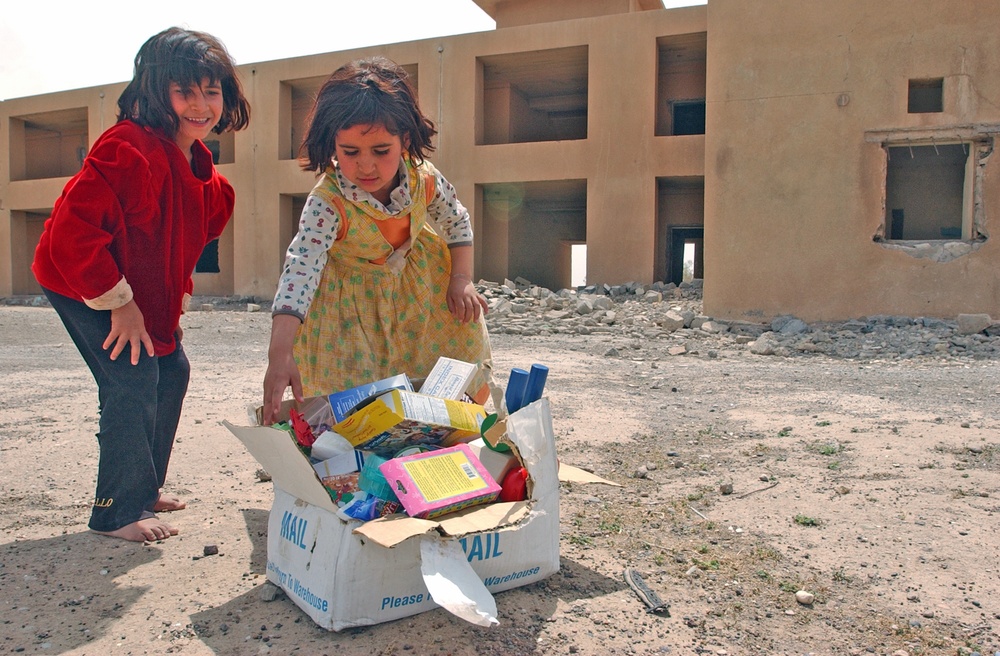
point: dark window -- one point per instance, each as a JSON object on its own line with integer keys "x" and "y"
{"x": 209, "y": 260}
{"x": 689, "y": 117}
{"x": 925, "y": 191}
{"x": 926, "y": 96}
{"x": 215, "y": 148}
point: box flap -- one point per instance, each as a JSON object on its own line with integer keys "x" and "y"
{"x": 453, "y": 584}
{"x": 390, "y": 531}
{"x": 290, "y": 470}
{"x": 484, "y": 518}
{"x": 571, "y": 474}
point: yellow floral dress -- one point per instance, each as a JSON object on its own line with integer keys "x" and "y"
{"x": 367, "y": 322}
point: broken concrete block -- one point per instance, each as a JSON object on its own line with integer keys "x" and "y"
{"x": 794, "y": 327}
{"x": 672, "y": 321}
{"x": 714, "y": 327}
{"x": 971, "y": 324}
{"x": 764, "y": 345}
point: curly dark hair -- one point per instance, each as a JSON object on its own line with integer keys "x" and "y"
{"x": 184, "y": 57}
{"x": 374, "y": 91}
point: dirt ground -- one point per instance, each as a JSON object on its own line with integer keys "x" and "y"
{"x": 872, "y": 486}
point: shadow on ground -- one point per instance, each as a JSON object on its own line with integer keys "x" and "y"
{"x": 523, "y": 612}
{"x": 32, "y": 587}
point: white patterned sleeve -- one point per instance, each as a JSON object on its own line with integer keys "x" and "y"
{"x": 448, "y": 214}
{"x": 305, "y": 258}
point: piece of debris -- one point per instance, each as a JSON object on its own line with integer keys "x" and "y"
{"x": 805, "y": 598}
{"x": 652, "y": 600}
{"x": 263, "y": 476}
{"x": 726, "y": 488}
{"x": 211, "y": 550}
{"x": 269, "y": 592}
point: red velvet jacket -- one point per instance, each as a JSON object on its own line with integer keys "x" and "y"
{"x": 137, "y": 209}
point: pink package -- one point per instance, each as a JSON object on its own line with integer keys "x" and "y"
{"x": 437, "y": 482}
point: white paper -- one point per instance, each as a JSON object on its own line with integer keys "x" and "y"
{"x": 330, "y": 444}
{"x": 453, "y": 584}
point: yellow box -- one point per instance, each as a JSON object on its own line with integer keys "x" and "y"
{"x": 398, "y": 419}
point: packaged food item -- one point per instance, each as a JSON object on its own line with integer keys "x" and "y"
{"x": 438, "y": 482}
{"x": 398, "y": 419}
{"x": 342, "y": 403}
{"x": 449, "y": 379}
{"x": 366, "y": 507}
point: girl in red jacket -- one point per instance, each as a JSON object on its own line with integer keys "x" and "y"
{"x": 115, "y": 260}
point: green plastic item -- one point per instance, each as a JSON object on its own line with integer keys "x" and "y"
{"x": 486, "y": 425}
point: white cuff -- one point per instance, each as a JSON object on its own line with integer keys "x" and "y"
{"x": 112, "y": 299}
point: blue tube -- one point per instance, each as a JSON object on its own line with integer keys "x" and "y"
{"x": 515, "y": 389}
{"x": 536, "y": 383}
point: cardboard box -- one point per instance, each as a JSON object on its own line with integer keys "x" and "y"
{"x": 347, "y": 574}
{"x": 394, "y": 420}
{"x": 343, "y": 402}
{"x": 449, "y": 379}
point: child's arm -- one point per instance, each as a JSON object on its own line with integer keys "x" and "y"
{"x": 453, "y": 224}
{"x": 281, "y": 368}
{"x": 319, "y": 227}
{"x": 464, "y": 302}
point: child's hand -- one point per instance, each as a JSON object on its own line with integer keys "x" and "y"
{"x": 128, "y": 329}
{"x": 282, "y": 371}
{"x": 464, "y": 302}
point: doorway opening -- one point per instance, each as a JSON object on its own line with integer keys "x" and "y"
{"x": 578, "y": 265}
{"x": 685, "y": 253}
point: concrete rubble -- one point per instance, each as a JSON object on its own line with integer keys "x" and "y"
{"x": 672, "y": 315}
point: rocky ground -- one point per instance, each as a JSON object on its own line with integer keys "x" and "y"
{"x": 786, "y": 489}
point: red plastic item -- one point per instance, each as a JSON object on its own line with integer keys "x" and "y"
{"x": 303, "y": 432}
{"x": 515, "y": 485}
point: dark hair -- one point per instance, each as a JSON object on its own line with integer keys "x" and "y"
{"x": 184, "y": 57}
{"x": 372, "y": 91}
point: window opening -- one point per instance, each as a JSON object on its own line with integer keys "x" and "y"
{"x": 926, "y": 96}
{"x": 926, "y": 192}
{"x": 208, "y": 262}
{"x": 688, "y": 116}
{"x": 215, "y": 148}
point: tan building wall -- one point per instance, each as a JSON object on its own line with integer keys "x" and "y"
{"x": 548, "y": 131}
{"x": 801, "y": 104}
{"x": 558, "y": 131}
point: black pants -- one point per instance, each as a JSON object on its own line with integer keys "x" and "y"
{"x": 140, "y": 407}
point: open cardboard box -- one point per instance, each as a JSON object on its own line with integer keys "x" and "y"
{"x": 346, "y": 574}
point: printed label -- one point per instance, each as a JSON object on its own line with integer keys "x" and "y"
{"x": 293, "y": 529}
{"x": 396, "y": 602}
{"x": 293, "y": 586}
{"x": 481, "y": 546}
{"x": 444, "y": 476}
{"x": 498, "y": 580}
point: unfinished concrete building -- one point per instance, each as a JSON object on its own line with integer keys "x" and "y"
{"x": 830, "y": 163}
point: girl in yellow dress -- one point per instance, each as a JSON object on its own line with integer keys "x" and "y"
{"x": 369, "y": 290}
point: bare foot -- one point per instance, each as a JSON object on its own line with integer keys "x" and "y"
{"x": 168, "y": 504}
{"x": 144, "y": 530}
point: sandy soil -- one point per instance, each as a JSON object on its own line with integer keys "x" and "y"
{"x": 872, "y": 486}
